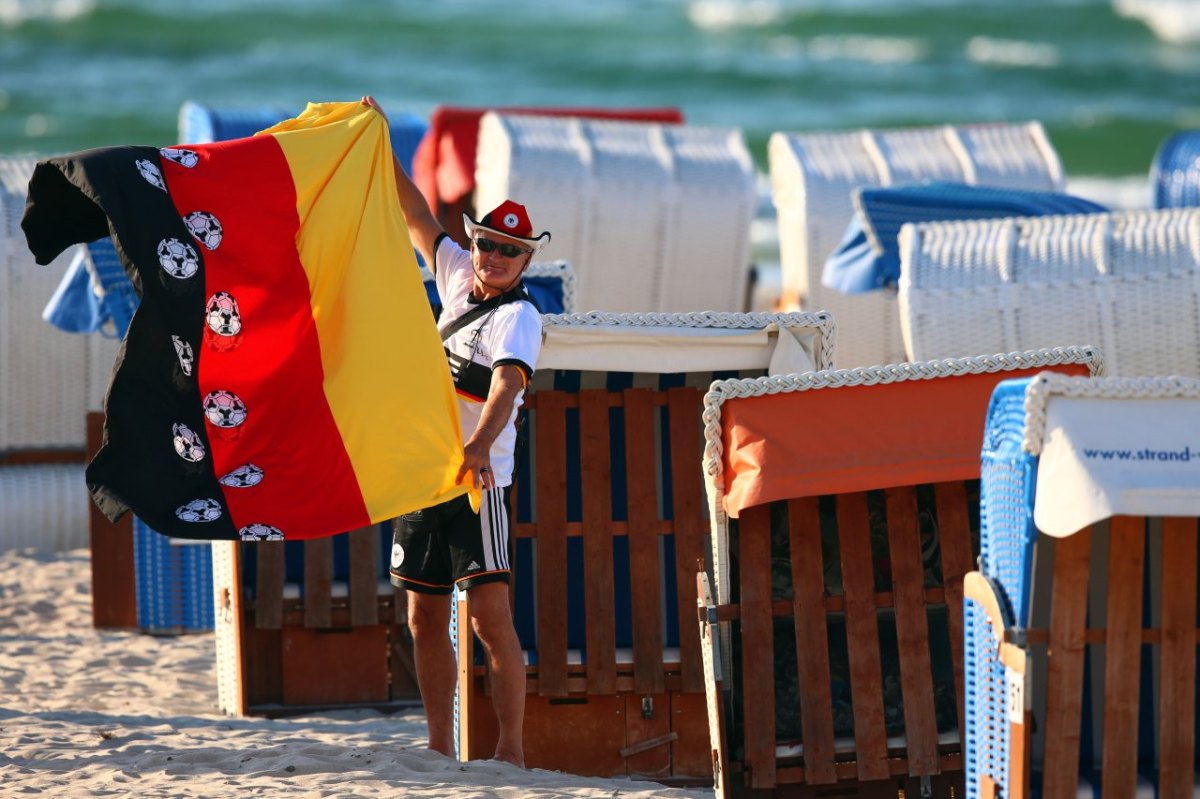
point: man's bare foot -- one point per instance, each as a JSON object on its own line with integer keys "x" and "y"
{"x": 515, "y": 758}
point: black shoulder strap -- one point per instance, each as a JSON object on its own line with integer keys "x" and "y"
{"x": 513, "y": 295}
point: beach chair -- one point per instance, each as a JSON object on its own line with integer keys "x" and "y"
{"x": 1175, "y": 171}
{"x": 654, "y": 217}
{"x": 609, "y": 521}
{"x": 444, "y": 161}
{"x": 1126, "y": 281}
{"x": 1080, "y": 622}
{"x": 813, "y": 176}
{"x": 844, "y": 510}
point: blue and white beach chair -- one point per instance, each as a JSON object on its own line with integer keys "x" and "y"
{"x": 1080, "y": 625}
{"x": 1175, "y": 171}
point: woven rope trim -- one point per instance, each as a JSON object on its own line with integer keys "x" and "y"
{"x": 1045, "y": 386}
{"x": 722, "y": 390}
{"x": 819, "y": 320}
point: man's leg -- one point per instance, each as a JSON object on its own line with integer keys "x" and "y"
{"x": 491, "y": 617}
{"x": 437, "y": 670}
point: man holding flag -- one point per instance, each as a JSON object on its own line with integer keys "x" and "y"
{"x": 492, "y": 335}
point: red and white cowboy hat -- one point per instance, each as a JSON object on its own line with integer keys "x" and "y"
{"x": 508, "y": 219}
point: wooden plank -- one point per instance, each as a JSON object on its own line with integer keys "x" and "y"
{"x": 364, "y": 576}
{"x": 812, "y": 640}
{"x": 1064, "y": 676}
{"x": 862, "y": 636}
{"x": 596, "y": 528}
{"x": 912, "y": 631}
{"x": 1177, "y": 674}
{"x": 644, "y": 562}
{"x": 268, "y": 584}
{"x": 551, "y": 453}
{"x": 688, "y": 515}
{"x": 1123, "y": 654}
{"x": 114, "y": 574}
{"x": 318, "y": 583}
{"x": 958, "y": 558}
{"x": 758, "y": 645}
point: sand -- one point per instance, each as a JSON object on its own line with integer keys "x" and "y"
{"x": 93, "y": 713}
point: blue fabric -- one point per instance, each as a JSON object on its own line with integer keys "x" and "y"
{"x": 74, "y": 307}
{"x": 869, "y": 256}
{"x": 1175, "y": 171}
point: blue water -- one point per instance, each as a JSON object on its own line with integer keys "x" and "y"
{"x": 84, "y": 73}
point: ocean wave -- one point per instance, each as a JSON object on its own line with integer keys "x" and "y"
{"x": 16, "y": 12}
{"x": 1012, "y": 52}
{"x": 715, "y": 15}
{"x": 1175, "y": 21}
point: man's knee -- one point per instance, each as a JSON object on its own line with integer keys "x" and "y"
{"x": 428, "y": 615}
{"x": 491, "y": 617}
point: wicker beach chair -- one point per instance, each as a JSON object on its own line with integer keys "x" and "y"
{"x": 1081, "y": 620}
{"x": 609, "y": 522}
{"x": 1125, "y": 281}
{"x": 444, "y": 162}
{"x": 551, "y": 286}
{"x": 1175, "y": 171}
{"x": 832, "y": 636}
{"x": 654, "y": 217}
{"x": 812, "y": 179}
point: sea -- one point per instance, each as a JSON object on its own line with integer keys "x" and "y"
{"x": 1109, "y": 79}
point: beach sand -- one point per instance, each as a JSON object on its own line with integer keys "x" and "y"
{"x": 90, "y": 713}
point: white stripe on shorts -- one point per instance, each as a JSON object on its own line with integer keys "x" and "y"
{"x": 493, "y": 523}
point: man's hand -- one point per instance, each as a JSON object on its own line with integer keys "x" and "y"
{"x": 477, "y": 462}
{"x": 370, "y": 101}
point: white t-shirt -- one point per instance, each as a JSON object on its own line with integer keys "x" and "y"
{"x": 508, "y": 334}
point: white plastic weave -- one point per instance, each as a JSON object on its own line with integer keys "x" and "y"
{"x": 813, "y": 177}
{"x": 653, "y": 217}
{"x": 43, "y": 386}
{"x": 43, "y": 507}
{"x": 723, "y": 390}
{"x": 1128, "y": 282}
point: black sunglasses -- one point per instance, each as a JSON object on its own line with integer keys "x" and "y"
{"x": 507, "y": 250}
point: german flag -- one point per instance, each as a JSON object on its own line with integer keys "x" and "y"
{"x": 282, "y": 377}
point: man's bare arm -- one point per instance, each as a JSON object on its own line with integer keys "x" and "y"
{"x": 507, "y": 382}
{"x": 423, "y": 228}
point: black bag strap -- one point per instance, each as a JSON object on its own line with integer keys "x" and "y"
{"x": 515, "y": 295}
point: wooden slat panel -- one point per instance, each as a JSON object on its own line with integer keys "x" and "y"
{"x": 114, "y": 572}
{"x": 958, "y": 557}
{"x": 1123, "y": 654}
{"x": 318, "y": 583}
{"x": 758, "y": 645}
{"x": 912, "y": 631}
{"x": 689, "y": 523}
{"x": 812, "y": 640}
{"x": 268, "y": 585}
{"x": 364, "y": 576}
{"x": 596, "y": 480}
{"x": 1177, "y": 697}
{"x": 551, "y": 544}
{"x": 1064, "y": 677}
{"x": 644, "y": 562}
{"x": 862, "y": 636}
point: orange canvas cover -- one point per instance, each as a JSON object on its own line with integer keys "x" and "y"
{"x": 444, "y": 162}
{"x": 857, "y": 438}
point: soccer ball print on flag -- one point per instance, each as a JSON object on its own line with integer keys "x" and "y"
{"x": 281, "y": 378}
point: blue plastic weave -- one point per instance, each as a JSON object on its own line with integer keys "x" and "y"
{"x": 1007, "y": 480}
{"x": 868, "y": 257}
{"x": 120, "y": 299}
{"x": 173, "y": 583}
{"x": 987, "y": 744}
{"x": 199, "y": 124}
{"x": 1175, "y": 171}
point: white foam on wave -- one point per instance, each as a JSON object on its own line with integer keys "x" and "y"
{"x": 716, "y": 15}
{"x": 15, "y": 12}
{"x": 1012, "y": 52}
{"x": 1175, "y": 21}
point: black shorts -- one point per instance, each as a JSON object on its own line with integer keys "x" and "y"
{"x": 435, "y": 548}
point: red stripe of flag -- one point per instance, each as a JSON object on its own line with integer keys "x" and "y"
{"x": 274, "y": 366}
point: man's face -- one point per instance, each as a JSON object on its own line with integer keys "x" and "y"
{"x": 498, "y": 259}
